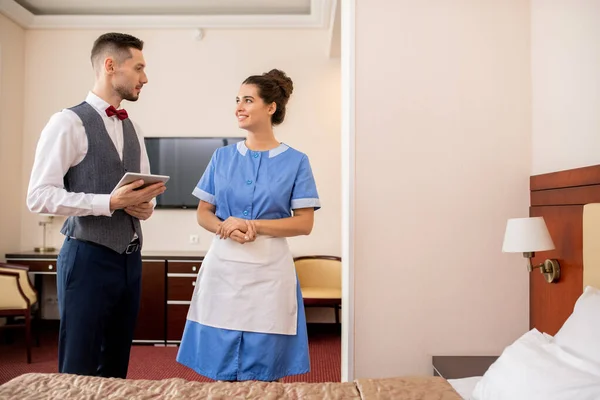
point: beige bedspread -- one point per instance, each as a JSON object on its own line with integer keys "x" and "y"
{"x": 61, "y": 386}
{"x": 406, "y": 388}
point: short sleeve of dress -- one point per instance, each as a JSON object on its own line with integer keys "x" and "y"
{"x": 304, "y": 193}
{"x": 205, "y": 189}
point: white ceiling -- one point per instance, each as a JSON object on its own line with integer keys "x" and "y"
{"x": 166, "y": 7}
{"x": 171, "y": 14}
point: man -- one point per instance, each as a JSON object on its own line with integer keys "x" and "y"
{"x": 82, "y": 154}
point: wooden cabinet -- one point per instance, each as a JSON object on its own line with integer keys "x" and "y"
{"x": 42, "y": 266}
{"x": 181, "y": 288}
{"x": 151, "y": 319}
{"x": 183, "y": 267}
{"x": 181, "y": 282}
{"x": 168, "y": 282}
{"x": 176, "y": 316}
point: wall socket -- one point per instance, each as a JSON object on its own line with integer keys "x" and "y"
{"x": 194, "y": 239}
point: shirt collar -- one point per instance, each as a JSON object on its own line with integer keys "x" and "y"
{"x": 242, "y": 149}
{"x": 96, "y": 102}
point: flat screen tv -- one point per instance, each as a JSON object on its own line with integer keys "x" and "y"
{"x": 184, "y": 159}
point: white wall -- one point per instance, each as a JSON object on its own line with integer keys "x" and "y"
{"x": 12, "y": 64}
{"x": 565, "y": 62}
{"x": 200, "y": 80}
{"x": 443, "y": 155}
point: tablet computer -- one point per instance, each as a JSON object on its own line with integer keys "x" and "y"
{"x": 148, "y": 179}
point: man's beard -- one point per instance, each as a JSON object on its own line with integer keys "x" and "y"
{"x": 126, "y": 94}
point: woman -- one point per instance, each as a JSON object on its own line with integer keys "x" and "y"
{"x": 246, "y": 320}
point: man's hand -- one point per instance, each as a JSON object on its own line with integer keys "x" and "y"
{"x": 127, "y": 195}
{"x": 141, "y": 211}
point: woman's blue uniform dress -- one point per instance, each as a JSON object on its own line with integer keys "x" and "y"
{"x": 252, "y": 185}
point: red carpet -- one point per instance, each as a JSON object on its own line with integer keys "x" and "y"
{"x": 150, "y": 362}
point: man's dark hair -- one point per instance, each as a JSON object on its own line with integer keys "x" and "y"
{"x": 117, "y": 44}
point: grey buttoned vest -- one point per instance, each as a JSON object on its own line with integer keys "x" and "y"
{"x": 99, "y": 172}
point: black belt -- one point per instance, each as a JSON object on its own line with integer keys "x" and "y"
{"x": 131, "y": 247}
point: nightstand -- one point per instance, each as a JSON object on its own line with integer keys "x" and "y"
{"x": 455, "y": 367}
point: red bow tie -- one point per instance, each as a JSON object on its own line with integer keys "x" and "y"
{"x": 121, "y": 114}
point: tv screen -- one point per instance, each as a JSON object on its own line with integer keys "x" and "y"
{"x": 184, "y": 159}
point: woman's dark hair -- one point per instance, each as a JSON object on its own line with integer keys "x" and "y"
{"x": 273, "y": 86}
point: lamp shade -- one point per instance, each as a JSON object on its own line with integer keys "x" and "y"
{"x": 525, "y": 235}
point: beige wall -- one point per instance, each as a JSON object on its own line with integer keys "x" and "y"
{"x": 12, "y": 63}
{"x": 200, "y": 80}
{"x": 443, "y": 156}
{"x": 565, "y": 62}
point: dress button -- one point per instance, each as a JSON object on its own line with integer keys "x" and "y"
{"x": 255, "y": 155}
{"x": 245, "y": 212}
{"x": 249, "y": 182}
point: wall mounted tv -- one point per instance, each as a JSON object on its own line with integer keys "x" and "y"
{"x": 184, "y": 159}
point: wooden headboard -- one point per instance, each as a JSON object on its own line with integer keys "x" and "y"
{"x": 560, "y": 197}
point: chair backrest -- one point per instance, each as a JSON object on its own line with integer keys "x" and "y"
{"x": 11, "y": 295}
{"x": 319, "y": 271}
{"x": 23, "y": 280}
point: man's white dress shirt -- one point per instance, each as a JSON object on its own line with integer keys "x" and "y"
{"x": 62, "y": 145}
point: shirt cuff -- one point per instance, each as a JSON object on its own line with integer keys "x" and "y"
{"x": 101, "y": 205}
{"x": 306, "y": 203}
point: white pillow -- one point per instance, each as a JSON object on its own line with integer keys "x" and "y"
{"x": 536, "y": 368}
{"x": 580, "y": 333}
{"x": 464, "y": 386}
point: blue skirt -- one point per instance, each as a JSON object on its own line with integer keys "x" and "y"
{"x": 228, "y": 355}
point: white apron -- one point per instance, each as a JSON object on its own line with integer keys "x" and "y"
{"x": 247, "y": 287}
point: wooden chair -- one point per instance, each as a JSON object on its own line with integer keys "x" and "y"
{"x": 17, "y": 298}
{"x": 320, "y": 280}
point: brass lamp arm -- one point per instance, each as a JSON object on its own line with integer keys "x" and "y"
{"x": 550, "y": 267}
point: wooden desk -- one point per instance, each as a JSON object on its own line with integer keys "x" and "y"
{"x": 168, "y": 280}
{"x": 456, "y": 367}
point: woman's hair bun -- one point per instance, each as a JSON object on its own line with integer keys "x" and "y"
{"x": 282, "y": 80}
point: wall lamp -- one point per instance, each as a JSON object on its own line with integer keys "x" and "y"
{"x": 528, "y": 235}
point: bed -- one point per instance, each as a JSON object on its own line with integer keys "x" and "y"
{"x": 562, "y": 366}
{"x": 63, "y": 386}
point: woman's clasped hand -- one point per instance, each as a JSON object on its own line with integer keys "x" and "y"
{"x": 238, "y": 229}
